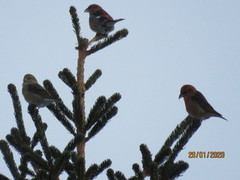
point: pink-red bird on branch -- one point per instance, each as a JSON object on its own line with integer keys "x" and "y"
{"x": 196, "y": 104}
{"x": 100, "y": 21}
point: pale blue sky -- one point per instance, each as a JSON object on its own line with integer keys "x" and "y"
{"x": 170, "y": 43}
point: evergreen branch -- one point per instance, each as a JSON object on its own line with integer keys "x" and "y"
{"x": 11, "y": 140}
{"x": 40, "y": 129}
{"x": 22, "y": 148}
{"x": 68, "y": 78}
{"x": 110, "y": 174}
{"x": 102, "y": 122}
{"x": 51, "y": 90}
{"x": 62, "y": 119}
{"x": 18, "y": 112}
{"x": 76, "y": 26}
{"x": 138, "y": 172}
{"x": 188, "y": 133}
{"x": 104, "y": 165}
{"x": 15, "y": 140}
{"x": 161, "y": 156}
{"x": 9, "y": 160}
{"x": 92, "y": 79}
{"x": 23, "y": 167}
{"x": 64, "y": 79}
{"x": 79, "y": 98}
{"x": 37, "y": 161}
{"x": 78, "y": 114}
{"x": 79, "y": 166}
{"x": 112, "y": 100}
{"x": 36, "y": 137}
{"x": 154, "y": 175}
{"x": 42, "y": 175}
{"x": 74, "y": 142}
{"x": 178, "y": 168}
{"x": 177, "y": 132}
{"x": 2, "y": 177}
{"x": 92, "y": 171}
{"x": 61, "y": 163}
{"x": 25, "y": 151}
{"x": 49, "y": 87}
{"x": 108, "y": 41}
{"x": 120, "y": 176}
{"x": 146, "y": 159}
{"x": 100, "y": 109}
{"x": 56, "y": 153}
{"x": 66, "y": 111}
{"x": 93, "y": 115}
{"x": 69, "y": 168}
{"x": 16, "y": 135}
{"x": 38, "y": 152}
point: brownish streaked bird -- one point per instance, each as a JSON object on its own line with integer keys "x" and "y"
{"x": 100, "y": 21}
{"x": 34, "y": 93}
{"x": 196, "y": 104}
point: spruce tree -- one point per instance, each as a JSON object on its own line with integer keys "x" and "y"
{"x": 48, "y": 162}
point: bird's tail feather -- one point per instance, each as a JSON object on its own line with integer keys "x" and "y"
{"x": 223, "y": 118}
{"x": 219, "y": 115}
{"x": 117, "y": 20}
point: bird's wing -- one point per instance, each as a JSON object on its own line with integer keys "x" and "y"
{"x": 101, "y": 14}
{"x": 39, "y": 90}
{"x": 199, "y": 99}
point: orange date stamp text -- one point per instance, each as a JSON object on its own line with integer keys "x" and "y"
{"x": 206, "y": 154}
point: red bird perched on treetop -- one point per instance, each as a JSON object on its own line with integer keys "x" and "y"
{"x": 100, "y": 21}
{"x": 196, "y": 104}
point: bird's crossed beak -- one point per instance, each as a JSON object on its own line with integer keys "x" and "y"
{"x": 86, "y": 10}
{"x": 180, "y": 96}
